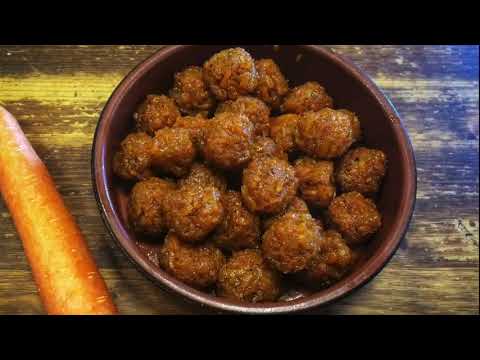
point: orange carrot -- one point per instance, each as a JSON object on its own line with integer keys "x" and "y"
{"x": 65, "y": 272}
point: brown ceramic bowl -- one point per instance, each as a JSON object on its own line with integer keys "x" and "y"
{"x": 350, "y": 89}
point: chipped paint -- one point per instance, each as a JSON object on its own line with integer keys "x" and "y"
{"x": 411, "y": 90}
{"x": 69, "y": 139}
{"x": 74, "y": 90}
{"x": 82, "y": 88}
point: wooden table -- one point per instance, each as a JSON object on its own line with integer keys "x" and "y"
{"x": 57, "y": 93}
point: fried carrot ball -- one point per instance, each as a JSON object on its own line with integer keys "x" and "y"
{"x": 362, "y": 170}
{"x": 356, "y": 126}
{"x": 156, "y": 112}
{"x": 202, "y": 175}
{"x": 240, "y": 229}
{"x": 331, "y": 263}
{"x": 132, "y": 161}
{"x": 283, "y": 130}
{"x": 247, "y": 277}
{"x": 325, "y": 134}
{"x": 272, "y": 85}
{"x": 310, "y": 96}
{"x": 265, "y": 146}
{"x": 256, "y": 111}
{"x": 193, "y": 211}
{"x": 355, "y": 217}
{"x": 196, "y": 126}
{"x": 228, "y": 140}
{"x": 291, "y": 242}
{"x": 269, "y": 185}
{"x": 297, "y": 206}
{"x": 230, "y": 73}
{"x": 191, "y": 93}
{"x": 316, "y": 181}
{"x": 173, "y": 152}
{"x": 195, "y": 265}
{"x": 145, "y": 211}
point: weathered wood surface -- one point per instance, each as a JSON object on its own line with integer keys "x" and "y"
{"x": 57, "y": 93}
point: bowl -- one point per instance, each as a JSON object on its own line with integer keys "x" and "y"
{"x": 349, "y": 87}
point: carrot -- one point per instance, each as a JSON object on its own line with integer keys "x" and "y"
{"x": 64, "y": 270}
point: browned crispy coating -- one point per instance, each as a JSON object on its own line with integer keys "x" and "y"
{"x": 269, "y": 185}
{"x": 362, "y": 170}
{"x": 132, "y": 161}
{"x": 228, "y": 140}
{"x": 325, "y": 134}
{"x": 202, "y": 175}
{"x": 291, "y": 242}
{"x": 196, "y": 126}
{"x": 297, "y": 206}
{"x": 356, "y": 125}
{"x": 173, "y": 152}
{"x": 145, "y": 212}
{"x": 272, "y": 85}
{"x": 331, "y": 263}
{"x": 156, "y": 112}
{"x": 193, "y": 211}
{"x": 240, "y": 229}
{"x": 283, "y": 130}
{"x": 310, "y": 96}
{"x": 355, "y": 217}
{"x": 265, "y": 146}
{"x": 191, "y": 93}
{"x": 254, "y": 109}
{"x": 316, "y": 181}
{"x": 248, "y": 277}
{"x": 195, "y": 265}
{"x": 230, "y": 74}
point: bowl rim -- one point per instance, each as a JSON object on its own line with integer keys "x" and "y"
{"x": 366, "y": 272}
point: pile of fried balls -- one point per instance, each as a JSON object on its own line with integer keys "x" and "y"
{"x": 228, "y": 170}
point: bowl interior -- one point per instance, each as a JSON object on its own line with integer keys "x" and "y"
{"x": 299, "y": 64}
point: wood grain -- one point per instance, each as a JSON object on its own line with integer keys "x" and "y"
{"x": 58, "y": 92}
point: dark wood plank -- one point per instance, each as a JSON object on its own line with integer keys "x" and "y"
{"x": 58, "y": 92}
{"x": 415, "y": 61}
{"x": 387, "y": 294}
